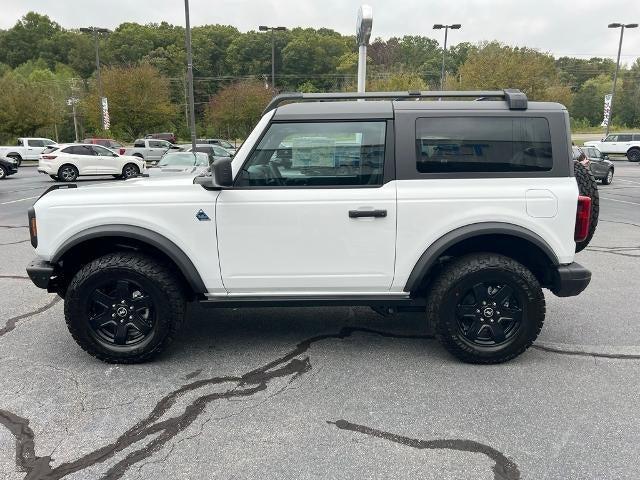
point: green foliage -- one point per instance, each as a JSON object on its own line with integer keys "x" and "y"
{"x": 397, "y": 81}
{"x": 588, "y": 102}
{"x": 138, "y": 101}
{"x": 235, "y": 109}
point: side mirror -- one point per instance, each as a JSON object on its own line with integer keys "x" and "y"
{"x": 221, "y": 173}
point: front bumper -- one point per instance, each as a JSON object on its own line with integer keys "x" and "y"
{"x": 570, "y": 280}
{"x": 42, "y": 274}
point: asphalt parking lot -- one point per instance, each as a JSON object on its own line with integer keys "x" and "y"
{"x": 326, "y": 392}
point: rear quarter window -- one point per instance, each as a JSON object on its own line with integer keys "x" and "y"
{"x": 483, "y": 144}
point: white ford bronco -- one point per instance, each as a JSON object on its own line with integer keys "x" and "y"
{"x": 460, "y": 209}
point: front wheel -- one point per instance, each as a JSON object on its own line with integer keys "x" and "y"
{"x": 68, "y": 173}
{"x": 487, "y": 308}
{"x": 17, "y": 158}
{"x": 124, "y": 307}
{"x": 130, "y": 170}
{"x": 3, "y": 173}
{"x": 608, "y": 178}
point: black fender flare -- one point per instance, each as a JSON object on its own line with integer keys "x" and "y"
{"x": 144, "y": 235}
{"x": 437, "y": 248}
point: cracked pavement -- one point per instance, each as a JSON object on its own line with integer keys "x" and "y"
{"x": 328, "y": 392}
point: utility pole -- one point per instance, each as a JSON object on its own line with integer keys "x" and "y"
{"x": 264, "y": 28}
{"x": 192, "y": 113}
{"x": 363, "y": 34}
{"x": 621, "y": 26}
{"x": 439, "y": 26}
{"x": 96, "y": 31}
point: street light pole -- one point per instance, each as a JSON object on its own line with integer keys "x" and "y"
{"x": 621, "y": 26}
{"x": 439, "y": 26}
{"x": 192, "y": 113}
{"x": 364, "y": 24}
{"x": 264, "y": 28}
{"x": 96, "y": 31}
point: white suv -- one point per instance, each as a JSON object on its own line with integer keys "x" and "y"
{"x": 619, "y": 144}
{"x": 67, "y": 162}
{"x": 464, "y": 210}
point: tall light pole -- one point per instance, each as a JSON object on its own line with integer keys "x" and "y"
{"x": 264, "y": 28}
{"x": 438, "y": 26}
{"x": 96, "y": 32}
{"x": 192, "y": 113}
{"x": 621, "y": 26}
{"x": 363, "y": 34}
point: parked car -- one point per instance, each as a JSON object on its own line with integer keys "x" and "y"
{"x": 105, "y": 142}
{"x": 599, "y": 164}
{"x": 214, "y": 151}
{"x": 150, "y": 150}
{"x": 218, "y": 141}
{"x": 67, "y": 162}
{"x": 168, "y": 136}
{"x": 27, "y": 148}
{"x": 462, "y": 210}
{"x": 181, "y": 162}
{"x": 619, "y": 144}
{"x": 8, "y": 166}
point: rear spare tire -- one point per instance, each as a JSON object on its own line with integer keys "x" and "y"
{"x": 588, "y": 187}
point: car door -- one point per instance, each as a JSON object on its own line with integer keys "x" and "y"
{"x": 82, "y": 157}
{"x": 34, "y": 148}
{"x": 106, "y": 162}
{"x": 609, "y": 144}
{"x": 313, "y": 210}
{"x": 623, "y": 143}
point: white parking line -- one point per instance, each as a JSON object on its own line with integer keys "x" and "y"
{"x": 628, "y": 181}
{"x": 619, "y": 201}
{"x": 19, "y": 200}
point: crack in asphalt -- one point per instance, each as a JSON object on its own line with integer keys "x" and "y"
{"x": 14, "y": 243}
{"x": 15, "y": 277}
{"x": 14, "y": 226}
{"x": 11, "y": 323}
{"x": 156, "y": 431}
{"x": 580, "y": 353}
{"x": 616, "y": 251}
{"x": 620, "y": 222}
{"x": 503, "y": 469}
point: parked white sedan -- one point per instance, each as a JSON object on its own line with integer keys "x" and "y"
{"x": 66, "y": 162}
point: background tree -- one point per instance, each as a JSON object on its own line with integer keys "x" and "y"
{"x": 138, "y": 101}
{"x": 236, "y": 108}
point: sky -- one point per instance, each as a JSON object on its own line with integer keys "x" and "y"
{"x": 562, "y": 27}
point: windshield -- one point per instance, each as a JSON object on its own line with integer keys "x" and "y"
{"x": 225, "y": 144}
{"x": 184, "y": 159}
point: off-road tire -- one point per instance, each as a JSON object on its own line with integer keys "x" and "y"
{"x": 587, "y": 186}
{"x": 168, "y": 300}
{"x": 633, "y": 155}
{"x": 63, "y": 176}
{"x": 608, "y": 178}
{"x": 474, "y": 268}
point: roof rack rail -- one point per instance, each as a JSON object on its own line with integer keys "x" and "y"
{"x": 516, "y": 99}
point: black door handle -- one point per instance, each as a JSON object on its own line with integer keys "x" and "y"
{"x": 367, "y": 213}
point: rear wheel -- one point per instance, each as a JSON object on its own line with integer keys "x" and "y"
{"x": 587, "y": 186}
{"x": 633, "y": 155}
{"x": 67, "y": 173}
{"x": 17, "y": 158}
{"x": 608, "y": 177}
{"x": 124, "y": 307}
{"x": 487, "y": 308}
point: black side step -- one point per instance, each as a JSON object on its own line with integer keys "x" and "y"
{"x": 312, "y": 301}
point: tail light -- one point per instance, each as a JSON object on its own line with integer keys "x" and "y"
{"x": 48, "y": 157}
{"x": 583, "y": 218}
{"x": 33, "y": 227}
{"x": 122, "y": 151}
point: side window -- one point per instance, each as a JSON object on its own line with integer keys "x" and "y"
{"x": 158, "y": 144}
{"x": 102, "y": 151}
{"x": 624, "y": 138}
{"x": 483, "y": 144}
{"x": 220, "y": 152}
{"x": 138, "y": 144}
{"x": 78, "y": 150}
{"x": 611, "y": 138}
{"x": 317, "y": 154}
{"x": 35, "y": 143}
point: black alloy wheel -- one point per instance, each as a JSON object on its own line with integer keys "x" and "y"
{"x": 633, "y": 155}
{"x": 3, "y": 173}
{"x": 120, "y": 313}
{"x": 489, "y": 313}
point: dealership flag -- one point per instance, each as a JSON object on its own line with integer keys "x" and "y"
{"x": 105, "y": 114}
{"x": 607, "y": 110}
